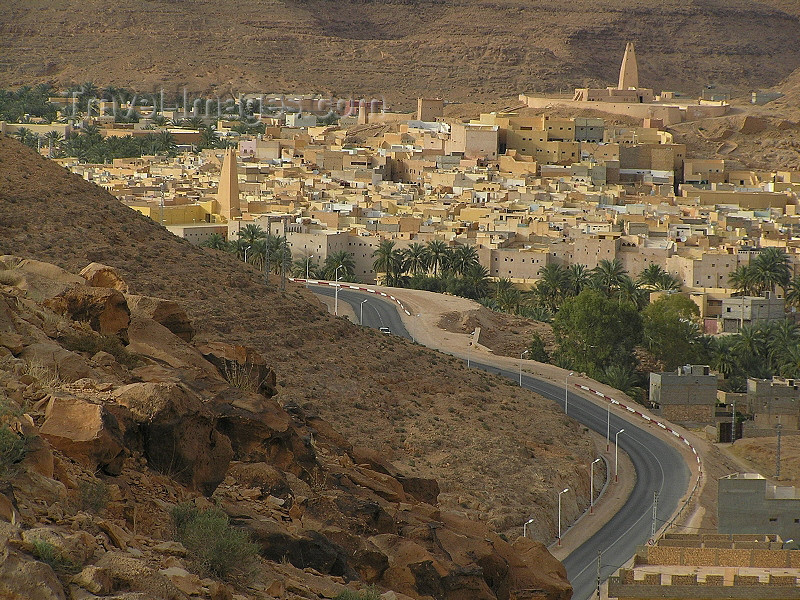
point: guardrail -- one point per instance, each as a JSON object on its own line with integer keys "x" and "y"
{"x": 350, "y": 286}
{"x": 649, "y": 419}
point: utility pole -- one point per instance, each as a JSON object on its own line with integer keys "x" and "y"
{"x": 733, "y": 422}
{"x": 654, "y": 528}
{"x": 599, "y": 554}
{"x": 778, "y": 427}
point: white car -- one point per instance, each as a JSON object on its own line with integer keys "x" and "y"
{"x": 385, "y": 330}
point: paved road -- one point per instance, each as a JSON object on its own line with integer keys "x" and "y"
{"x": 659, "y": 466}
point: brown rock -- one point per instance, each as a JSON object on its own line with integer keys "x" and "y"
{"x": 85, "y": 432}
{"x": 188, "y": 583}
{"x": 68, "y": 366}
{"x": 12, "y": 341}
{"x": 179, "y": 435}
{"x": 244, "y": 367}
{"x": 28, "y": 579}
{"x": 152, "y": 339}
{"x": 166, "y": 312}
{"x": 40, "y": 279}
{"x": 118, "y": 536}
{"x": 104, "y": 309}
{"x": 8, "y": 512}
{"x": 219, "y": 591}
{"x": 95, "y": 580}
{"x": 130, "y": 574}
{"x": 103, "y": 276}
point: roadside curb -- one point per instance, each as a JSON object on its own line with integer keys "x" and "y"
{"x": 350, "y": 286}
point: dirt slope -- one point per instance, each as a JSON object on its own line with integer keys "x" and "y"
{"x": 497, "y": 452}
{"x": 459, "y": 48}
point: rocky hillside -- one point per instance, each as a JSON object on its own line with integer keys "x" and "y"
{"x": 458, "y": 48}
{"x": 114, "y": 431}
{"x": 496, "y": 451}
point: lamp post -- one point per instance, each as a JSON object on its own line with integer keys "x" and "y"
{"x": 245, "y": 252}
{"x": 525, "y": 527}
{"x": 469, "y": 346}
{"x": 566, "y": 390}
{"x": 336, "y": 293}
{"x": 524, "y": 352}
{"x": 564, "y": 491}
{"x": 616, "y": 454}
{"x": 591, "y": 484}
{"x": 308, "y": 263}
{"x": 361, "y": 317}
{"x": 608, "y": 426}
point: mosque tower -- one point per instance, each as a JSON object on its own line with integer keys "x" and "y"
{"x": 228, "y": 192}
{"x": 629, "y": 71}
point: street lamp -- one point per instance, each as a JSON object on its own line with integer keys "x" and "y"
{"x": 308, "y": 262}
{"x": 336, "y": 293}
{"x": 469, "y": 346}
{"x": 566, "y": 390}
{"x": 525, "y": 527}
{"x": 591, "y": 484}
{"x": 245, "y": 252}
{"x": 524, "y": 352}
{"x": 564, "y": 491}
{"x": 361, "y": 318}
{"x": 608, "y": 425}
{"x": 616, "y": 454}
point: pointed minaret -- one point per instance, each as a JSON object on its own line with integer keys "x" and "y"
{"x": 228, "y": 193}
{"x": 629, "y": 71}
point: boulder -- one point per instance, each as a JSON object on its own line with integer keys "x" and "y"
{"x": 103, "y": 276}
{"x": 532, "y": 566}
{"x": 419, "y": 488}
{"x": 152, "y": 339}
{"x": 95, "y": 580}
{"x": 178, "y": 433}
{"x": 105, "y": 310}
{"x": 68, "y": 366}
{"x": 129, "y": 574}
{"x": 76, "y": 548}
{"x": 412, "y": 569}
{"x": 40, "y": 279}
{"x": 12, "y": 341}
{"x": 242, "y": 367}
{"x": 85, "y": 432}
{"x": 166, "y": 312}
{"x": 28, "y": 579}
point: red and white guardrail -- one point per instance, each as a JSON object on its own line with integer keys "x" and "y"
{"x": 350, "y": 286}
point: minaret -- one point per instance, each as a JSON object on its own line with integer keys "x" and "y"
{"x": 228, "y": 193}
{"x": 629, "y": 71}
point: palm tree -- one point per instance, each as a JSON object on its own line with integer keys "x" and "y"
{"x": 744, "y": 279}
{"x": 552, "y": 285}
{"x": 193, "y": 123}
{"x": 280, "y": 254}
{"x": 793, "y": 292}
{"x": 578, "y": 277}
{"x": 388, "y": 260}
{"x": 656, "y": 278}
{"x": 723, "y": 358}
{"x": 436, "y": 250}
{"x": 629, "y": 291}
{"x": 772, "y": 269}
{"x": 622, "y": 378}
{"x": 781, "y": 336}
{"x": 304, "y": 266}
{"x": 477, "y": 278}
{"x": 215, "y": 241}
{"x": 606, "y": 276}
{"x": 463, "y": 259}
{"x": 342, "y": 259}
{"x": 416, "y": 257}
{"x": 208, "y": 137}
{"x": 251, "y": 233}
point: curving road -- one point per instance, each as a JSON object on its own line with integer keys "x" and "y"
{"x": 659, "y": 466}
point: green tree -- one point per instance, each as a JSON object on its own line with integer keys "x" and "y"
{"x": 342, "y": 259}
{"x": 536, "y": 349}
{"x": 578, "y": 277}
{"x": 477, "y": 281}
{"x": 606, "y": 276}
{"x": 593, "y": 332}
{"x": 745, "y": 280}
{"x": 793, "y": 292}
{"x": 463, "y": 259}
{"x": 251, "y": 233}
{"x": 215, "y": 241}
{"x": 416, "y": 258}
{"x": 389, "y": 261}
{"x": 629, "y": 291}
{"x": 437, "y": 252}
{"x": 771, "y": 269}
{"x": 671, "y": 330}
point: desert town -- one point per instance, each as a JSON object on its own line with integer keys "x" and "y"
{"x": 533, "y": 191}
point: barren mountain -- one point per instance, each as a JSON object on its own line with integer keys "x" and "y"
{"x": 460, "y": 49}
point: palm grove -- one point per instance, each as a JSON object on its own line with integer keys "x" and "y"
{"x": 603, "y": 320}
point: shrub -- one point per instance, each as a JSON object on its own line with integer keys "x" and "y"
{"x": 369, "y": 593}
{"x": 48, "y": 553}
{"x": 93, "y": 495}
{"x": 45, "y": 377}
{"x": 94, "y": 343}
{"x": 12, "y": 445}
{"x": 217, "y": 548}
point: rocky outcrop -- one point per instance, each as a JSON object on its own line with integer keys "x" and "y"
{"x": 103, "y": 276}
{"x": 84, "y": 431}
{"x": 166, "y": 312}
{"x": 242, "y": 366}
{"x": 105, "y": 310}
{"x": 177, "y": 433}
